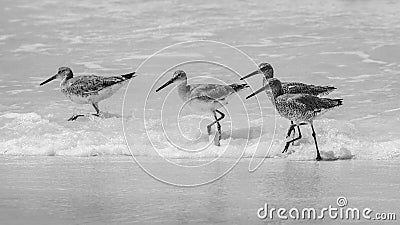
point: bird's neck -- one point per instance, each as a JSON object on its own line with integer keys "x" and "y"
{"x": 276, "y": 92}
{"x": 183, "y": 89}
{"x": 268, "y": 75}
{"x": 65, "y": 80}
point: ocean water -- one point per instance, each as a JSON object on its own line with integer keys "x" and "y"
{"x": 352, "y": 45}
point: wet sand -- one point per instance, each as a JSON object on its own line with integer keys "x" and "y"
{"x": 114, "y": 190}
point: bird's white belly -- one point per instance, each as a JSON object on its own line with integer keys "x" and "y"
{"x": 205, "y": 106}
{"x": 79, "y": 99}
{"x": 105, "y": 93}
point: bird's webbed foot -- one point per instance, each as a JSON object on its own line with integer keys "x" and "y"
{"x": 101, "y": 115}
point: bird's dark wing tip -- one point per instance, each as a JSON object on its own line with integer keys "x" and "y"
{"x": 238, "y": 87}
{"x": 331, "y": 87}
{"x": 128, "y": 76}
{"x": 339, "y": 101}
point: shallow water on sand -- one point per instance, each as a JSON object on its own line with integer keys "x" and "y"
{"x": 114, "y": 190}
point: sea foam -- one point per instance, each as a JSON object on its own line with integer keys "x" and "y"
{"x": 30, "y": 134}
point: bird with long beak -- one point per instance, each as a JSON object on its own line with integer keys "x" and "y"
{"x": 206, "y": 98}
{"x": 300, "y": 108}
{"x": 89, "y": 89}
{"x": 289, "y": 87}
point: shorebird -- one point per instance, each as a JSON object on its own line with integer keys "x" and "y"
{"x": 300, "y": 108}
{"x": 88, "y": 89}
{"x": 207, "y": 98}
{"x": 289, "y": 87}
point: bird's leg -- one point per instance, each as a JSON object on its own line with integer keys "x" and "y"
{"x": 291, "y": 128}
{"x": 96, "y": 107}
{"x": 218, "y": 124}
{"x": 217, "y": 135}
{"x": 217, "y": 138}
{"x": 288, "y": 143}
{"x": 315, "y": 141}
{"x": 74, "y": 117}
{"x": 222, "y": 116}
{"x": 216, "y": 121}
{"x": 294, "y": 131}
{"x": 209, "y": 125}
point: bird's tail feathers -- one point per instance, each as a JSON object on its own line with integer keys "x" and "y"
{"x": 128, "y": 76}
{"x": 339, "y": 101}
{"x": 334, "y": 102}
{"x": 238, "y": 87}
{"x": 328, "y": 89}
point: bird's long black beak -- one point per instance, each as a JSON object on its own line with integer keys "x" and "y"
{"x": 251, "y": 74}
{"x": 258, "y": 91}
{"x": 166, "y": 84}
{"x": 48, "y": 80}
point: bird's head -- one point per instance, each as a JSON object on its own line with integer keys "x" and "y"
{"x": 63, "y": 73}
{"x": 178, "y": 76}
{"x": 263, "y": 68}
{"x": 272, "y": 84}
{"x": 267, "y": 70}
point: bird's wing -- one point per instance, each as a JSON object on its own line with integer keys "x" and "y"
{"x": 295, "y": 87}
{"x": 92, "y": 84}
{"x": 310, "y": 102}
{"x": 214, "y": 91}
{"x": 301, "y": 88}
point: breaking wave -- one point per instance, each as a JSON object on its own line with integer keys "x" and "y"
{"x": 30, "y": 134}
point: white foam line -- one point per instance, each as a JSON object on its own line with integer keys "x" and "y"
{"x": 6, "y": 36}
{"x": 14, "y": 92}
{"x": 373, "y": 116}
{"x": 37, "y": 47}
{"x": 392, "y": 110}
{"x": 374, "y": 61}
{"x": 357, "y": 53}
{"x": 363, "y": 55}
{"x": 363, "y": 118}
{"x": 254, "y": 45}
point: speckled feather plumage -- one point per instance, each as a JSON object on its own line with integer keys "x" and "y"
{"x": 304, "y": 107}
{"x": 301, "y": 88}
{"x": 89, "y": 85}
{"x": 299, "y": 107}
